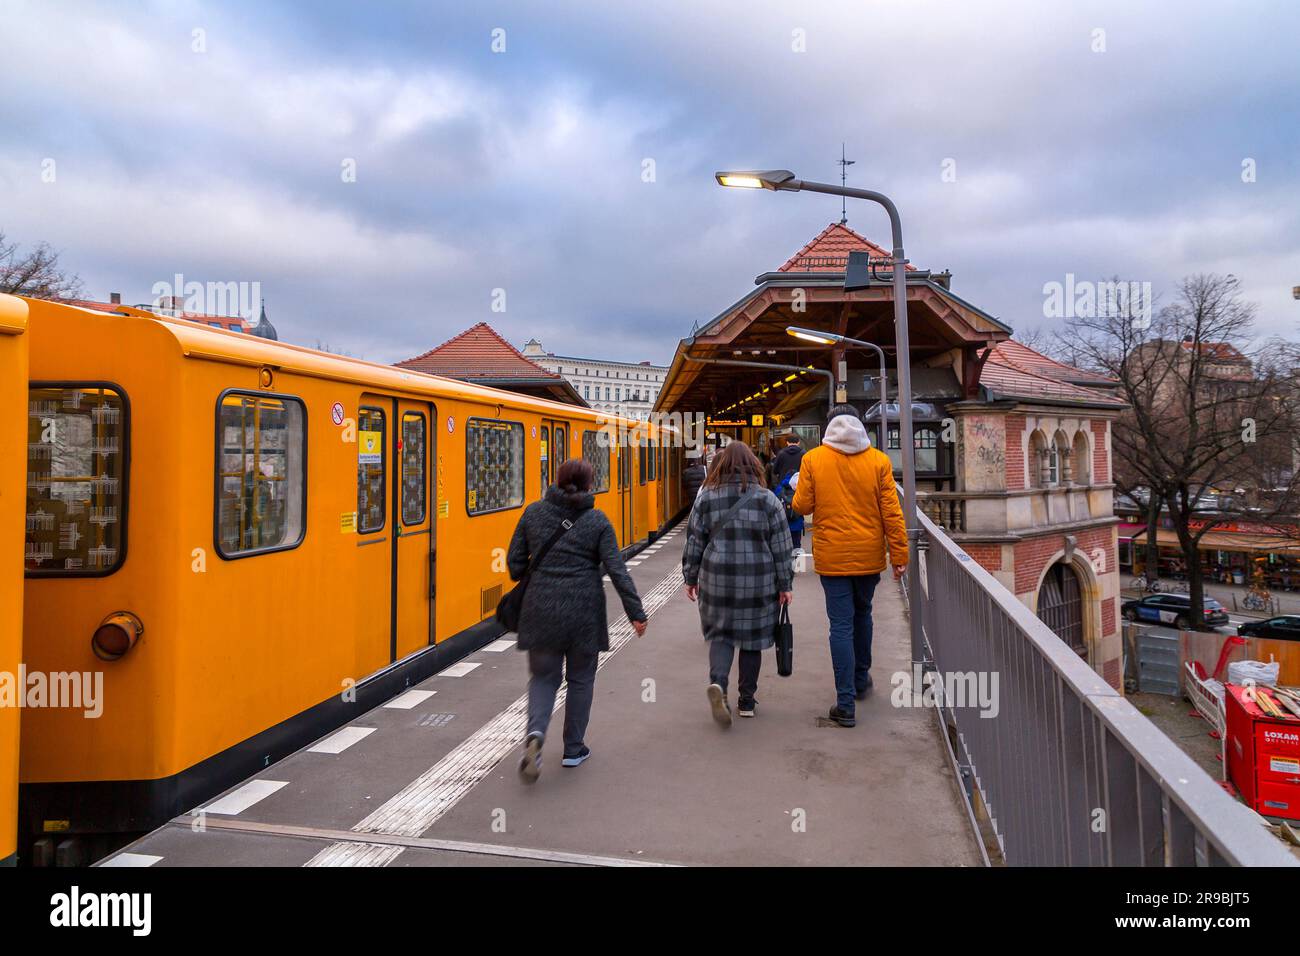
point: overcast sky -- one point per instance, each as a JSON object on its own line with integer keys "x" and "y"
{"x": 1075, "y": 151}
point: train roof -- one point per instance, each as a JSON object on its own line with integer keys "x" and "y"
{"x": 219, "y": 345}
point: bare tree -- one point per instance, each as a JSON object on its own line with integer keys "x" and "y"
{"x": 1203, "y": 416}
{"x": 36, "y": 272}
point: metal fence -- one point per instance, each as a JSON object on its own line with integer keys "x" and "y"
{"x": 1068, "y": 771}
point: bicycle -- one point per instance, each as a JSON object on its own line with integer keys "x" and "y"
{"x": 1256, "y": 599}
{"x": 1140, "y": 583}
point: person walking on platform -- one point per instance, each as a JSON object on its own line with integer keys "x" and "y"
{"x": 848, "y": 487}
{"x": 787, "y": 460}
{"x": 693, "y": 478}
{"x": 562, "y": 622}
{"x": 736, "y": 564}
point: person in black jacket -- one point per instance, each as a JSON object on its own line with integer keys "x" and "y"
{"x": 562, "y": 622}
{"x": 787, "y": 459}
{"x": 692, "y": 478}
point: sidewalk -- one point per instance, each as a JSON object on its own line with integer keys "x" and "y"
{"x": 434, "y": 783}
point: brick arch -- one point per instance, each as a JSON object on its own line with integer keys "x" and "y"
{"x": 1089, "y": 592}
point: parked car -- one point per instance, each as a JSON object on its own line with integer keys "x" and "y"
{"x": 1172, "y": 609}
{"x": 1284, "y": 628}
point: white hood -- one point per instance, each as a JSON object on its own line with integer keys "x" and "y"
{"x": 846, "y": 433}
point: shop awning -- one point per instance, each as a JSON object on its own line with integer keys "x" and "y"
{"x": 1227, "y": 541}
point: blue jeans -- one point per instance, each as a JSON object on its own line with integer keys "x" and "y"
{"x": 848, "y": 606}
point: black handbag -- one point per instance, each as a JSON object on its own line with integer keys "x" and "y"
{"x": 511, "y": 605}
{"x": 784, "y": 640}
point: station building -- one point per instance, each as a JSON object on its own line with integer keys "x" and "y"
{"x": 1013, "y": 449}
{"x": 629, "y": 389}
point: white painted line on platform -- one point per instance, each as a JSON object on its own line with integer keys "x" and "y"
{"x": 496, "y": 647}
{"x": 457, "y": 670}
{"x": 412, "y": 698}
{"x": 634, "y": 564}
{"x": 243, "y": 798}
{"x": 430, "y": 796}
{"x": 356, "y": 854}
{"x": 338, "y": 742}
{"x": 132, "y": 859}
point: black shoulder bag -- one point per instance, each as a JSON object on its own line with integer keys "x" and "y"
{"x": 784, "y": 639}
{"x": 511, "y": 605}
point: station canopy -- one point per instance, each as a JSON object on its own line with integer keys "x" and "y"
{"x": 947, "y": 333}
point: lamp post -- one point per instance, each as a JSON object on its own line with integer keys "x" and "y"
{"x": 831, "y": 338}
{"x": 782, "y": 180}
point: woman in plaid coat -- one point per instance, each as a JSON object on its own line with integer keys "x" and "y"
{"x": 737, "y": 565}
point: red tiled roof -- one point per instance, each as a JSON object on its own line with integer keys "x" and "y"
{"x": 479, "y": 353}
{"x": 829, "y": 251}
{"x": 1219, "y": 352}
{"x": 1015, "y": 370}
{"x": 233, "y": 323}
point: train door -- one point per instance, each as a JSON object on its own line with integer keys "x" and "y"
{"x": 625, "y": 490}
{"x": 554, "y": 450}
{"x": 559, "y": 447}
{"x": 373, "y": 629}
{"x": 414, "y": 540}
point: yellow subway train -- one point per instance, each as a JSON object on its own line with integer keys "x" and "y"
{"x": 233, "y": 546}
{"x": 13, "y": 459}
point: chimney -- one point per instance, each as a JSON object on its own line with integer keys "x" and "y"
{"x": 115, "y": 298}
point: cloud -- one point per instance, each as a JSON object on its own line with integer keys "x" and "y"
{"x": 526, "y": 170}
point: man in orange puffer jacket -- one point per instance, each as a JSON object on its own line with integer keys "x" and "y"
{"x": 848, "y": 488}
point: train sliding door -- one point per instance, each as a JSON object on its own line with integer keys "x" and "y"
{"x": 395, "y": 527}
{"x": 414, "y": 543}
{"x": 625, "y": 479}
{"x": 554, "y": 451}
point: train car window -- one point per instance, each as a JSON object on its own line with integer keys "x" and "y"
{"x": 642, "y": 453}
{"x": 372, "y": 469}
{"x": 598, "y": 457}
{"x": 494, "y": 465}
{"x": 261, "y": 476}
{"x": 654, "y": 462}
{"x": 545, "y": 457}
{"x": 76, "y": 480}
{"x": 560, "y": 454}
{"x": 414, "y": 456}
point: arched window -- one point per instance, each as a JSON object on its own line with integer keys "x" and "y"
{"x": 1082, "y": 460}
{"x": 1060, "y": 606}
{"x": 1061, "y": 455}
{"x": 1037, "y": 460}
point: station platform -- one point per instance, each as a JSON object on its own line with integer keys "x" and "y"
{"x": 429, "y": 778}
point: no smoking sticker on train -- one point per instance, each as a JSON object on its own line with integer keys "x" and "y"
{"x": 336, "y": 413}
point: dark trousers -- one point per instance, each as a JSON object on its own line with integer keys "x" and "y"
{"x": 721, "y": 654}
{"x": 545, "y": 669}
{"x": 848, "y": 607}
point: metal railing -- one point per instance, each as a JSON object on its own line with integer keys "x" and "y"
{"x": 1068, "y": 772}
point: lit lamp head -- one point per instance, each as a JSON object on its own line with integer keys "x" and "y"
{"x": 757, "y": 179}
{"x": 812, "y": 335}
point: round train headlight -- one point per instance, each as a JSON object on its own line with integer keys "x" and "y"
{"x": 116, "y": 635}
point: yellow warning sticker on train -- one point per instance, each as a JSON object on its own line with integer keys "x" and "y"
{"x": 348, "y": 522}
{"x": 370, "y": 448}
{"x": 444, "y": 508}
{"x": 57, "y": 826}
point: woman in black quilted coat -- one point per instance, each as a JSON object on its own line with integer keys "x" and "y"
{"x": 562, "y": 622}
{"x": 737, "y": 564}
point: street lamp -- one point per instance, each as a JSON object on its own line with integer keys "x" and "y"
{"x": 831, "y": 338}
{"x": 782, "y": 180}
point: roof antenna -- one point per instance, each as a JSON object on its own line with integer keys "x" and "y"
{"x": 844, "y": 180}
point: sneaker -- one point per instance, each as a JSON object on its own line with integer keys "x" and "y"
{"x": 530, "y": 765}
{"x": 865, "y": 689}
{"x": 843, "y": 717}
{"x": 577, "y": 759}
{"x": 718, "y": 701}
{"x": 745, "y": 708}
